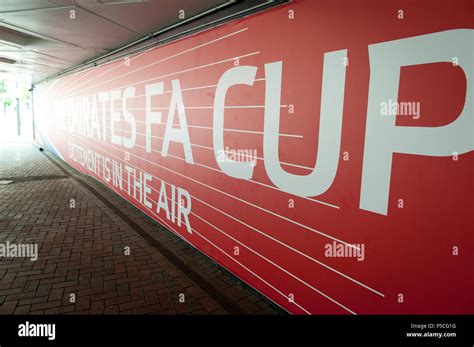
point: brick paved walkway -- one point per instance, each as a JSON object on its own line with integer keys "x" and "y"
{"x": 81, "y": 251}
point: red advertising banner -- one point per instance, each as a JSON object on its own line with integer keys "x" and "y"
{"x": 321, "y": 151}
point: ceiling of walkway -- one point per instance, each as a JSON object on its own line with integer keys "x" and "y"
{"x": 39, "y": 38}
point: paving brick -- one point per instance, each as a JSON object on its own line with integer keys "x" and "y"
{"x": 132, "y": 305}
{"x": 97, "y": 307}
{"x": 56, "y": 294}
{"x": 35, "y": 300}
{"x": 20, "y": 296}
{"x": 43, "y": 289}
{"x": 31, "y": 286}
{"x": 82, "y": 303}
{"x": 60, "y": 310}
{"x": 8, "y": 307}
{"x": 46, "y": 305}
{"x": 25, "y": 309}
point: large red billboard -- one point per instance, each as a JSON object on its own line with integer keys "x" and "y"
{"x": 321, "y": 151}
